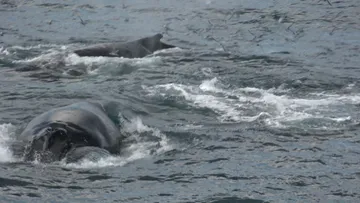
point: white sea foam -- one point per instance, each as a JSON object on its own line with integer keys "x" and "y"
{"x": 46, "y": 57}
{"x": 74, "y": 59}
{"x": 171, "y": 50}
{"x": 39, "y": 46}
{"x": 47, "y": 52}
{"x": 95, "y": 65}
{"x": 6, "y": 134}
{"x": 4, "y": 51}
{"x": 248, "y": 104}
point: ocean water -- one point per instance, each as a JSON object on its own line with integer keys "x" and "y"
{"x": 259, "y": 102}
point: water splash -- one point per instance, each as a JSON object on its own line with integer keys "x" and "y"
{"x": 6, "y": 134}
{"x": 142, "y": 148}
{"x": 4, "y": 51}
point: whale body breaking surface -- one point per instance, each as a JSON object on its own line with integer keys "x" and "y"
{"x": 134, "y": 49}
{"x": 74, "y": 132}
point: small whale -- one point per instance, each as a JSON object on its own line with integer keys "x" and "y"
{"x": 134, "y": 49}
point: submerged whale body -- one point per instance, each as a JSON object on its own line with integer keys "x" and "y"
{"x": 74, "y": 132}
{"x": 134, "y": 49}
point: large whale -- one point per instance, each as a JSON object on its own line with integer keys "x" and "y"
{"x": 71, "y": 133}
{"x": 134, "y": 49}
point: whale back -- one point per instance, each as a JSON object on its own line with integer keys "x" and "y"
{"x": 134, "y": 49}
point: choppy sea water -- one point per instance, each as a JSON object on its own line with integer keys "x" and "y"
{"x": 260, "y": 102}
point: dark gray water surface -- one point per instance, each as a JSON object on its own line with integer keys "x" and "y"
{"x": 261, "y": 102}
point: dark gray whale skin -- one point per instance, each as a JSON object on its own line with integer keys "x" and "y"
{"x": 72, "y": 132}
{"x": 134, "y": 49}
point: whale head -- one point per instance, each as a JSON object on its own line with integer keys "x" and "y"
{"x": 50, "y": 145}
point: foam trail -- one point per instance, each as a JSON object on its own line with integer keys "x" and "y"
{"x": 273, "y": 107}
{"x": 110, "y": 64}
{"x": 48, "y": 57}
{"x": 171, "y": 50}
{"x": 74, "y": 59}
{"x": 6, "y": 132}
{"x": 39, "y": 46}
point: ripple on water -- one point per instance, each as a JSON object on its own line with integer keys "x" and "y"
{"x": 259, "y": 105}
